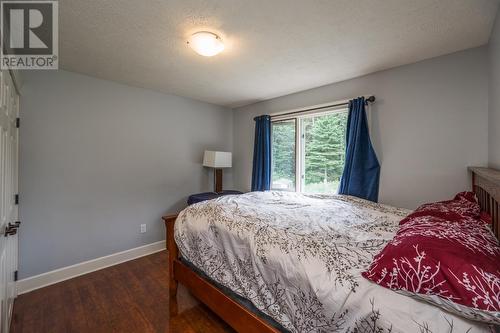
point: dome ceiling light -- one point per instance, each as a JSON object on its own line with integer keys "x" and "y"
{"x": 206, "y": 43}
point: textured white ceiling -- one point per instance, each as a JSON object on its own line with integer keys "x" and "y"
{"x": 273, "y": 47}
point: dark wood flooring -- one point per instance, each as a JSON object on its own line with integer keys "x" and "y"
{"x": 130, "y": 297}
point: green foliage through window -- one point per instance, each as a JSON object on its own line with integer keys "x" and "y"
{"x": 283, "y": 155}
{"x": 323, "y": 152}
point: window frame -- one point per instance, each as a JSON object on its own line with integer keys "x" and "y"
{"x": 300, "y": 141}
{"x": 296, "y": 152}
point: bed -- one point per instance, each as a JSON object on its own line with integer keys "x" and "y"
{"x": 288, "y": 262}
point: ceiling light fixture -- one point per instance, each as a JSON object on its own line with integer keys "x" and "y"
{"x": 206, "y": 43}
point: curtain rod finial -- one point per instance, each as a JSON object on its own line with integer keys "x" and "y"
{"x": 371, "y": 99}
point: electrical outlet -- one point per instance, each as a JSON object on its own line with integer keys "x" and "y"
{"x": 143, "y": 228}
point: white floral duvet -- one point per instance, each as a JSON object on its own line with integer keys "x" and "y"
{"x": 298, "y": 259}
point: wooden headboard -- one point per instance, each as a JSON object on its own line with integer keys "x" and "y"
{"x": 486, "y": 185}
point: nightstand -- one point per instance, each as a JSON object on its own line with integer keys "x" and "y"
{"x": 199, "y": 197}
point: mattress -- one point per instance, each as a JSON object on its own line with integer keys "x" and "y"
{"x": 298, "y": 259}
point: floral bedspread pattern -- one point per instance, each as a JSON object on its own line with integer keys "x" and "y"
{"x": 298, "y": 258}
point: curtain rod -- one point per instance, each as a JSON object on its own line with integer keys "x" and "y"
{"x": 370, "y": 99}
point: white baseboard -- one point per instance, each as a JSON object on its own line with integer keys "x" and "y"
{"x": 65, "y": 273}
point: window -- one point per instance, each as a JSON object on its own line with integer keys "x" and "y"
{"x": 309, "y": 152}
{"x": 283, "y": 155}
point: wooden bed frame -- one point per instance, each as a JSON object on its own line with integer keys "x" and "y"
{"x": 236, "y": 315}
{"x": 485, "y": 183}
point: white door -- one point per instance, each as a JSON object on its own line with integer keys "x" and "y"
{"x": 9, "y": 112}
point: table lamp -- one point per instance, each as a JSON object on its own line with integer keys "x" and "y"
{"x": 217, "y": 160}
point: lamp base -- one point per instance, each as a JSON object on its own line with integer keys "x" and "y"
{"x": 218, "y": 180}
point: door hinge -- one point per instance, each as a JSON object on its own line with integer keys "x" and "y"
{"x": 18, "y": 122}
{"x": 15, "y": 276}
{"x": 16, "y": 199}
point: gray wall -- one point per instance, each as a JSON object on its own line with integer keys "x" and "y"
{"x": 428, "y": 124}
{"x": 98, "y": 158}
{"x": 494, "y": 100}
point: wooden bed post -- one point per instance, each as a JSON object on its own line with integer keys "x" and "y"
{"x": 173, "y": 253}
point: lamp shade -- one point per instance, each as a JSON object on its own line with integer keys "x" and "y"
{"x": 217, "y": 159}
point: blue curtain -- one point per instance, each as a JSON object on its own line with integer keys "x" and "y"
{"x": 261, "y": 173}
{"x": 362, "y": 170}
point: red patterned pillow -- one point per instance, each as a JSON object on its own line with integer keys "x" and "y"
{"x": 463, "y": 205}
{"x": 440, "y": 259}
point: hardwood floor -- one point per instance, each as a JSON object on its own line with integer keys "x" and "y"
{"x": 130, "y": 297}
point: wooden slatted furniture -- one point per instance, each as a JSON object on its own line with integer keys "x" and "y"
{"x": 485, "y": 183}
